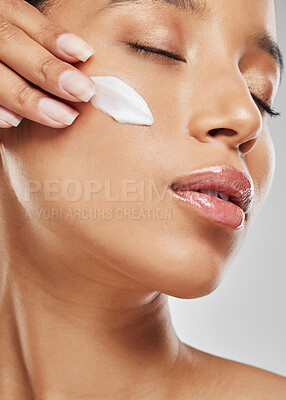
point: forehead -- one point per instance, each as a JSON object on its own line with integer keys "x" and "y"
{"x": 197, "y": 6}
{"x": 238, "y": 11}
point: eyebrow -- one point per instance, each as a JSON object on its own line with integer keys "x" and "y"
{"x": 265, "y": 42}
{"x": 196, "y": 6}
{"x": 261, "y": 40}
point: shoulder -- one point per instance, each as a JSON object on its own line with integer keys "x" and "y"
{"x": 231, "y": 379}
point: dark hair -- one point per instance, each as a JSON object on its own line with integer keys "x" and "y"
{"x": 35, "y": 3}
{"x": 41, "y": 5}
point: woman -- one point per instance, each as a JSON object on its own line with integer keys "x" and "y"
{"x": 88, "y": 255}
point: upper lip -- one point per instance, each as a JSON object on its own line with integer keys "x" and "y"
{"x": 237, "y": 184}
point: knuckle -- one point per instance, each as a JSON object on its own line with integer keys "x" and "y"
{"x": 14, "y": 8}
{"x": 17, "y": 6}
{"x": 47, "y": 68}
{"x": 7, "y": 31}
{"x": 22, "y": 94}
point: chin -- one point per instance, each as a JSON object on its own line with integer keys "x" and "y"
{"x": 188, "y": 265}
{"x": 189, "y": 278}
{"x": 183, "y": 257}
{"x": 184, "y": 267}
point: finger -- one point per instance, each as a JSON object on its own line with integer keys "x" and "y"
{"x": 9, "y": 117}
{"x": 31, "y": 103}
{"x": 39, "y": 66}
{"x": 4, "y": 124}
{"x": 63, "y": 44}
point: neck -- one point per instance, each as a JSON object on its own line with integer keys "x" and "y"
{"x": 72, "y": 324}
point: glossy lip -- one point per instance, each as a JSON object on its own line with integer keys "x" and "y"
{"x": 237, "y": 184}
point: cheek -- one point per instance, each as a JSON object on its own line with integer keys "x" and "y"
{"x": 261, "y": 165}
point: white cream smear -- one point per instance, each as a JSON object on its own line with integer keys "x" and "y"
{"x": 120, "y": 101}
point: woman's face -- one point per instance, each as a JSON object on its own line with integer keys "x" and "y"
{"x": 88, "y": 180}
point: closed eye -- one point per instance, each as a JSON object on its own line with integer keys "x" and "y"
{"x": 147, "y": 50}
{"x": 265, "y": 106}
{"x": 152, "y": 50}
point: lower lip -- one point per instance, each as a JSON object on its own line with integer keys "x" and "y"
{"x": 218, "y": 210}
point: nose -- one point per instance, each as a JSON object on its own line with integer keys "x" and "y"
{"x": 225, "y": 111}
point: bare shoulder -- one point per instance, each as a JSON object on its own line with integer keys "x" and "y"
{"x": 228, "y": 379}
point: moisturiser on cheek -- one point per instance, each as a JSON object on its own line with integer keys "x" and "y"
{"x": 120, "y": 101}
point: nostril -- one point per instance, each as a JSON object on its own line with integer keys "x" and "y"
{"x": 246, "y": 147}
{"x": 212, "y": 132}
{"x": 224, "y": 131}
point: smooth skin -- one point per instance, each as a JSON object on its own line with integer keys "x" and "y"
{"x": 84, "y": 311}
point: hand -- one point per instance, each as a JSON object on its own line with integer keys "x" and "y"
{"x": 35, "y": 55}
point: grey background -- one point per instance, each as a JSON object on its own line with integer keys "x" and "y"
{"x": 245, "y": 318}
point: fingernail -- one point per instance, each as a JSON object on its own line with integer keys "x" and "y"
{"x": 57, "y": 111}
{"x": 77, "y": 84}
{"x": 9, "y": 117}
{"x": 4, "y": 124}
{"x": 75, "y": 46}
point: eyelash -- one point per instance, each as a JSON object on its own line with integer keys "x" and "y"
{"x": 140, "y": 48}
{"x": 265, "y": 106}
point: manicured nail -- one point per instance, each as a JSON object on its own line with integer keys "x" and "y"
{"x": 77, "y": 84}
{"x": 75, "y": 46}
{"x": 57, "y": 111}
{"x": 4, "y": 124}
{"x": 9, "y": 117}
